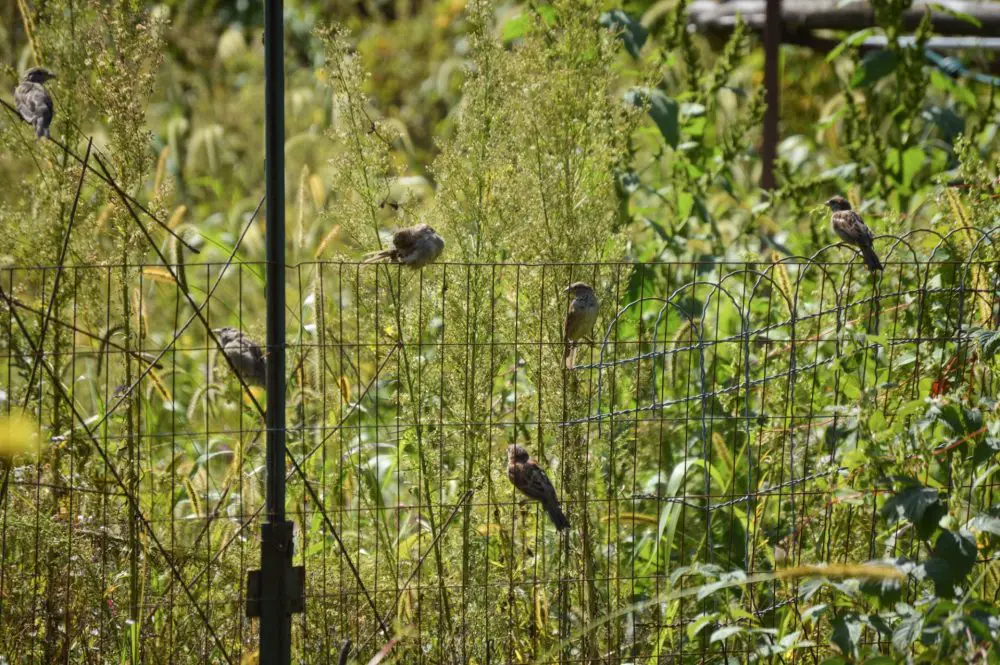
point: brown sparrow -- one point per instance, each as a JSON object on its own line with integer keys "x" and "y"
{"x": 33, "y": 101}
{"x": 852, "y": 229}
{"x": 416, "y": 247}
{"x": 580, "y": 318}
{"x": 532, "y": 482}
{"x": 245, "y": 355}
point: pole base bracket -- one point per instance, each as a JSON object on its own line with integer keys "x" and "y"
{"x": 276, "y": 556}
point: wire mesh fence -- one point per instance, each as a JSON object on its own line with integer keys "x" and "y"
{"x": 708, "y": 434}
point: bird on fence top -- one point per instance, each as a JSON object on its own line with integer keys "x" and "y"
{"x": 580, "y": 318}
{"x": 852, "y": 229}
{"x": 532, "y": 482}
{"x": 245, "y": 355}
{"x": 416, "y": 246}
{"x": 33, "y": 101}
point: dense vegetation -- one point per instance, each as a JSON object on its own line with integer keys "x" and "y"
{"x": 745, "y": 414}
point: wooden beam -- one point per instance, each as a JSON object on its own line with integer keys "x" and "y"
{"x": 825, "y": 14}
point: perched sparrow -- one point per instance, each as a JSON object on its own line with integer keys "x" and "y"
{"x": 852, "y": 230}
{"x": 532, "y": 482}
{"x": 246, "y": 356}
{"x": 580, "y": 318}
{"x": 416, "y": 247}
{"x": 33, "y": 101}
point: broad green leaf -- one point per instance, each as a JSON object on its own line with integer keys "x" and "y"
{"x": 517, "y": 27}
{"x": 918, "y": 504}
{"x": 699, "y": 623}
{"x": 724, "y": 633}
{"x": 907, "y": 631}
{"x": 913, "y": 158}
{"x": 949, "y": 123}
{"x": 846, "y": 632}
{"x": 888, "y": 591}
{"x": 631, "y": 32}
{"x": 875, "y": 66}
{"x": 523, "y": 24}
{"x": 988, "y": 342}
{"x": 958, "y": 549}
{"x": 662, "y": 109}
{"x": 987, "y": 523}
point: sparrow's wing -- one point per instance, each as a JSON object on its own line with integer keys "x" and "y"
{"x": 569, "y": 325}
{"x": 34, "y": 105}
{"x": 32, "y": 101}
{"x": 537, "y": 484}
{"x": 851, "y": 228}
{"x": 862, "y": 227}
{"x": 424, "y": 249}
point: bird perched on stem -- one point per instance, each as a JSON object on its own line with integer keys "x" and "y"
{"x": 580, "y": 318}
{"x": 531, "y": 481}
{"x": 33, "y": 101}
{"x": 416, "y": 246}
{"x": 852, "y": 229}
{"x": 245, "y": 355}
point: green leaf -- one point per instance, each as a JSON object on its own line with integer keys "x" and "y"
{"x": 887, "y": 590}
{"x": 913, "y": 159}
{"x": 523, "y": 24}
{"x": 958, "y": 549}
{"x": 699, "y": 623}
{"x": 918, "y": 504}
{"x": 517, "y": 27}
{"x": 880, "y": 660}
{"x": 954, "y": 557}
{"x": 846, "y": 633}
{"x": 662, "y": 109}
{"x": 630, "y": 31}
{"x": 961, "y": 16}
{"x": 907, "y": 631}
{"x": 851, "y": 40}
{"x": 987, "y": 523}
{"x": 949, "y": 123}
{"x": 988, "y": 342}
{"x": 724, "y": 633}
{"x": 875, "y": 66}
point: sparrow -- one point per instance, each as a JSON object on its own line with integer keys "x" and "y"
{"x": 33, "y": 101}
{"x": 416, "y": 247}
{"x": 532, "y": 482}
{"x": 852, "y": 229}
{"x": 245, "y": 355}
{"x": 580, "y": 318}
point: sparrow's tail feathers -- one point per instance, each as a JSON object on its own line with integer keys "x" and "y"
{"x": 555, "y": 514}
{"x": 570, "y": 356}
{"x": 382, "y": 255}
{"x": 41, "y": 128}
{"x": 871, "y": 258}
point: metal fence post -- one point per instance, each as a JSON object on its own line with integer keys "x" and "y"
{"x": 772, "y": 92}
{"x": 275, "y": 591}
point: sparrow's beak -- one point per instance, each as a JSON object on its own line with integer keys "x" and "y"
{"x": 829, "y": 203}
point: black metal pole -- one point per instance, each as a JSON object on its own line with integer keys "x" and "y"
{"x": 772, "y": 88}
{"x": 274, "y": 582}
